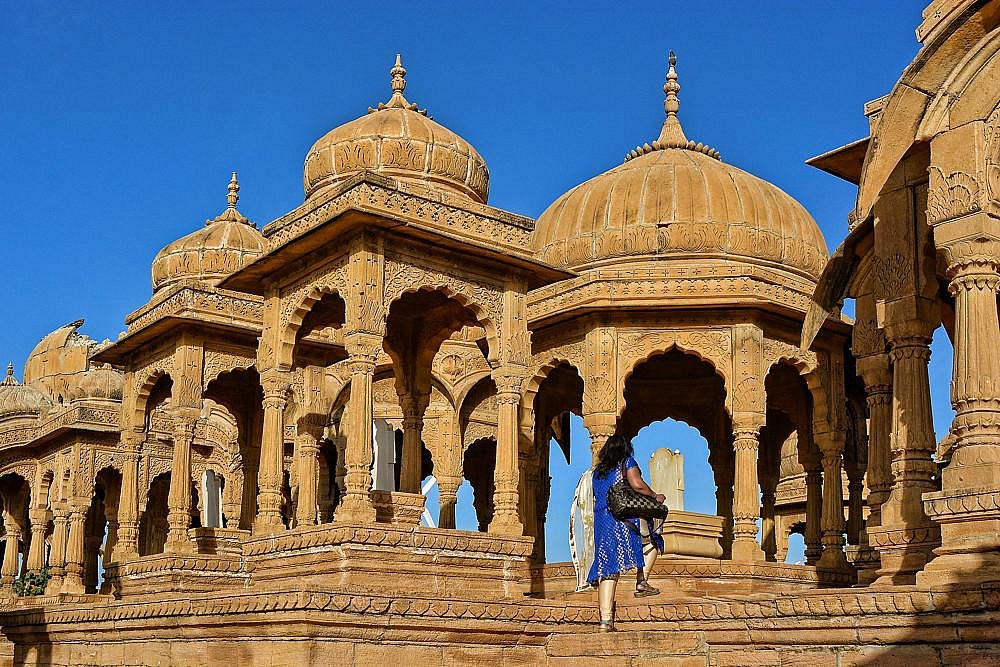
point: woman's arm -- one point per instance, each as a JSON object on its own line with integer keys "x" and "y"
{"x": 636, "y": 482}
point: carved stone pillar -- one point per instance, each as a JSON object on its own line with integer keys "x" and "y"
{"x": 128, "y": 503}
{"x": 179, "y": 498}
{"x": 831, "y": 446}
{"x": 601, "y": 426}
{"x": 874, "y": 370}
{"x": 310, "y": 432}
{"x": 448, "y": 495}
{"x": 814, "y": 514}
{"x": 768, "y": 525}
{"x": 272, "y": 453}
{"x": 724, "y": 506}
{"x": 414, "y": 406}
{"x": 73, "y": 581}
{"x": 746, "y": 503}
{"x": 968, "y": 506}
{"x": 357, "y": 505}
{"x": 906, "y": 536}
{"x": 506, "y": 516}
{"x": 36, "y": 549}
{"x": 12, "y": 546}
{"x": 57, "y": 557}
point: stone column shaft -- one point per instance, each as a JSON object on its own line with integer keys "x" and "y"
{"x": 814, "y": 516}
{"x": 448, "y": 495}
{"x": 831, "y": 447}
{"x": 272, "y": 454}
{"x": 413, "y": 446}
{"x": 57, "y": 557}
{"x": 746, "y": 501}
{"x": 8, "y": 570}
{"x": 307, "y": 462}
{"x": 967, "y": 507}
{"x": 506, "y": 515}
{"x": 179, "y": 498}
{"x": 357, "y": 505}
{"x": 906, "y": 536}
{"x": 73, "y": 581}
{"x": 36, "y": 548}
{"x": 128, "y": 503}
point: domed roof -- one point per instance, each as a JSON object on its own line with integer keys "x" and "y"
{"x": 677, "y": 199}
{"x": 17, "y": 399}
{"x": 396, "y": 139}
{"x": 222, "y": 247}
{"x": 102, "y": 382}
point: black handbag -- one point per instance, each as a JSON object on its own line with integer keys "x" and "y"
{"x": 624, "y": 502}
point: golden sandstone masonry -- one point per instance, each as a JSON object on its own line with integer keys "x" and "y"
{"x": 237, "y": 479}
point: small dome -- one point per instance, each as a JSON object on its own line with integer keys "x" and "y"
{"x": 222, "y": 247}
{"x": 677, "y": 199}
{"x": 18, "y": 400}
{"x": 398, "y": 140}
{"x": 102, "y": 382}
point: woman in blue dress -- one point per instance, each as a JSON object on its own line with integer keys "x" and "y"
{"x": 618, "y": 545}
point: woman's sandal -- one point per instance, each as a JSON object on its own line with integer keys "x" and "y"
{"x": 643, "y": 589}
{"x": 606, "y": 626}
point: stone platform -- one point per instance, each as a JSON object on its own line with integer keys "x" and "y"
{"x": 309, "y": 625}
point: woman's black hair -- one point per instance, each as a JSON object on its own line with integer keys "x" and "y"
{"x": 615, "y": 450}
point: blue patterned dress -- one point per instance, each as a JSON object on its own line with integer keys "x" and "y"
{"x": 617, "y": 548}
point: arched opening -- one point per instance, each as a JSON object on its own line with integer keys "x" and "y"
{"x": 479, "y": 466}
{"x": 153, "y": 524}
{"x": 679, "y": 386}
{"x": 101, "y": 528}
{"x": 788, "y": 465}
{"x": 681, "y": 463}
{"x": 239, "y": 391}
{"x": 560, "y": 454}
{"x": 796, "y": 552}
{"x": 319, "y": 339}
{"x": 15, "y": 492}
{"x": 417, "y": 325}
{"x": 159, "y": 394}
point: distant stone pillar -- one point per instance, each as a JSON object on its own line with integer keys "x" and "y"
{"x": 874, "y": 370}
{"x": 831, "y": 446}
{"x": 73, "y": 581}
{"x": 507, "y": 476}
{"x": 666, "y": 475}
{"x": 128, "y": 504}
{"x": 36, "y": 548}
{"x": 414, "y": 406}
{"x": 272, "y": 453}
{"x": 448, "y": 495}
{"x": 357, "y": 505}
{"x": 907, "y": 536}
{"x": 768, "y": 523}
{"x": 813, "y": 537}
{"x": 310, "y": 432}
{"x": 746, "y": 504}
{"x": 179, "y": 498}
{"x": 724, "y": 506}
{"x": 966, "y": 508}
{"x": 8, "y": 570}
{"x": 57, "y": 557}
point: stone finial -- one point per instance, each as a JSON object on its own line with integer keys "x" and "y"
{"x": 398, "y": 101}
{"x": 671, "y": 134}
{"x": 231, "y": 214}
{"x": 10, "y": 380}
{"x": 234, "y": 191}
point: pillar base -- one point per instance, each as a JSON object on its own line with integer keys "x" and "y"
{"x": 833, "y": 559}
{"x": 747, "y": 551}
{"x": 353, "y": 509}
{"x": 970, "y": 536}
{"x": 903, "y": 553}
{"x": 73, "y": 584}
{"x": 503, "y": 524}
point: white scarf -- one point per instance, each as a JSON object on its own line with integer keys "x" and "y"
{"x": 581, "y": 529}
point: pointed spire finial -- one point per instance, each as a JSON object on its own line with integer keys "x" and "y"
{"x": 671, "y": 87}
{"x": 671, "y": 134}
{"x": 397, "y": 101}
{"x": 9, "y": 381}
{"x": 234, "y": 191}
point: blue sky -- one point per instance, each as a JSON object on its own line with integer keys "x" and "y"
{"x": 122, "y": 121}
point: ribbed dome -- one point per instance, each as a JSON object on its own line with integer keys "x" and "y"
{"x": 222, "y": 247}
{"x": 102, "y": 382}
{"x": 676, "y": 199}
{"x": 18, "y": 400}
{"x": 400, "y": 141}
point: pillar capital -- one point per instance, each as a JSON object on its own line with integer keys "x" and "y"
{"x": 362, "y": 347}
